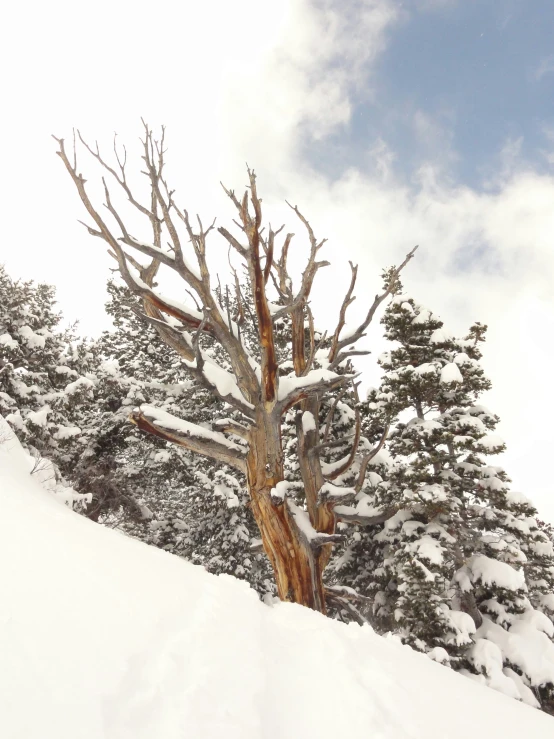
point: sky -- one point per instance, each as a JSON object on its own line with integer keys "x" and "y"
{"x": 391, "y": 124}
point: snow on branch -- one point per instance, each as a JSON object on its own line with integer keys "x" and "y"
{"x": 315, "y": 539}
{"x": 353, "y": 515}
{"x": 230, "y": 426}
{"x": 492, "y": 572}
{"x": 189, "y": 317}
{"x": 189, "y": 435}
{"x": 335, "y": 493}
{"x": 220, "y": 382}
{"x": 279, "y": 492}
{"x": 173, "y": 423}
{"x": 293, "y": 388}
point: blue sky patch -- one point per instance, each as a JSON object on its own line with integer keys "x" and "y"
{"x": 461, "y": 85}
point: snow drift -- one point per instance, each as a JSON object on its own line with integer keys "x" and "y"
{"x": 102, "y": 637}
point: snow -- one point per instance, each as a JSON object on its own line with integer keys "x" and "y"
{"x": 492, "y": 441}
{"x": 493, "y": 572}
{"x": 308, "y": 422}
{"x": 463, "y": 625}
{"x": 328, "y": 468}
{"x": 472, "y": 421}
{"x": 525, "y": 693}
{"x": 517, "y": 498}
{"x": 427, "y": 426}
{"x": 63, "y": 370}
{"x": 82, "y": 382}
{"x": 438, "y": 654}
{"x": 224, "y": 382}
{"x": 67, "y": 432}
{"x": 336, "y": 492}
{"x": 15, "y": 420}
{"x": 290, "y": 383}
{"x": 364, "y": 507}
{"x": 524, "y": 646}
{"x": 348, "y": 331}
{"x": 439, "y": 336}
{"x": 9, "y": 341}
{"x": 487, "y": 657}
{"x": 32, "y": 339}
{"x": 280, "y": 490}
{"x": 40, "y": 417}
{"x": 302, "y": 520}
{"x": 462, "y": 358}
{"x": 542, "y": 548}
{"x": 428, "y": 548}
{"x": 450, "y": 373}
{"x": 423, "y": 316}
{"x": 400, "y": 298}
{"x": 172, "y": 423}
{"x": 547, "y": 601}
{"x": 427, "y": 368}
{"x": 183, "y": 307}
{"x": 152, "y": 247}
{"x": 229, "y": 495}
{"x": 103, "y": 637}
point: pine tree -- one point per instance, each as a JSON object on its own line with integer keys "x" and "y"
{"x": 42, "y": 376}
{"x": 463, "y": 563}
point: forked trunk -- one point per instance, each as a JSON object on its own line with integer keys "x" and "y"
{"x": 297, "y": 574}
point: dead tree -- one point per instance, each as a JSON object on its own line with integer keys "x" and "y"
{"x": 298, "y": 540}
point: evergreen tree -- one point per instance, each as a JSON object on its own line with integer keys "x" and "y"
{"x": 42, "y": 376}
{"x": 463, "y": 562}
{"x": 147, "y": 487}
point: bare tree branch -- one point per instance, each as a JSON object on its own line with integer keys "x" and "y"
{"x": 204, "y": 446}
{"x": 359, "y": 332}
{"x": 350, "y": 515}
{"x": 298, "y": 543}
{"x": 368, "y": 457}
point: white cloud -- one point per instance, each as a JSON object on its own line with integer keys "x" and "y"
{"x": 301, "y": 88}
{"x": 435, "y": 137}
{"x": 256, "y": 82}
{"x": 548, "y": 154}
{"x": 545, "y": 66}
{"x": 483, "y": 256}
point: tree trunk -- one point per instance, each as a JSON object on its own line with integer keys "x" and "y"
{"x": 297, "y": 574}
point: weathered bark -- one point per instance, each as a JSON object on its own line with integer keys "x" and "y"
{"x": 294, "y": 563}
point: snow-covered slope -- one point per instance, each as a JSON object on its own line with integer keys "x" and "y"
{"x": 102, "y": 637}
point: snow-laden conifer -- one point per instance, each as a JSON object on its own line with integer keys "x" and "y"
{"x": 43, "y": 378}
{"x": 462, "y": 568}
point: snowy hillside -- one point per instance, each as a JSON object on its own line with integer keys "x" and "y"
{"x": 102, "y": 637}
